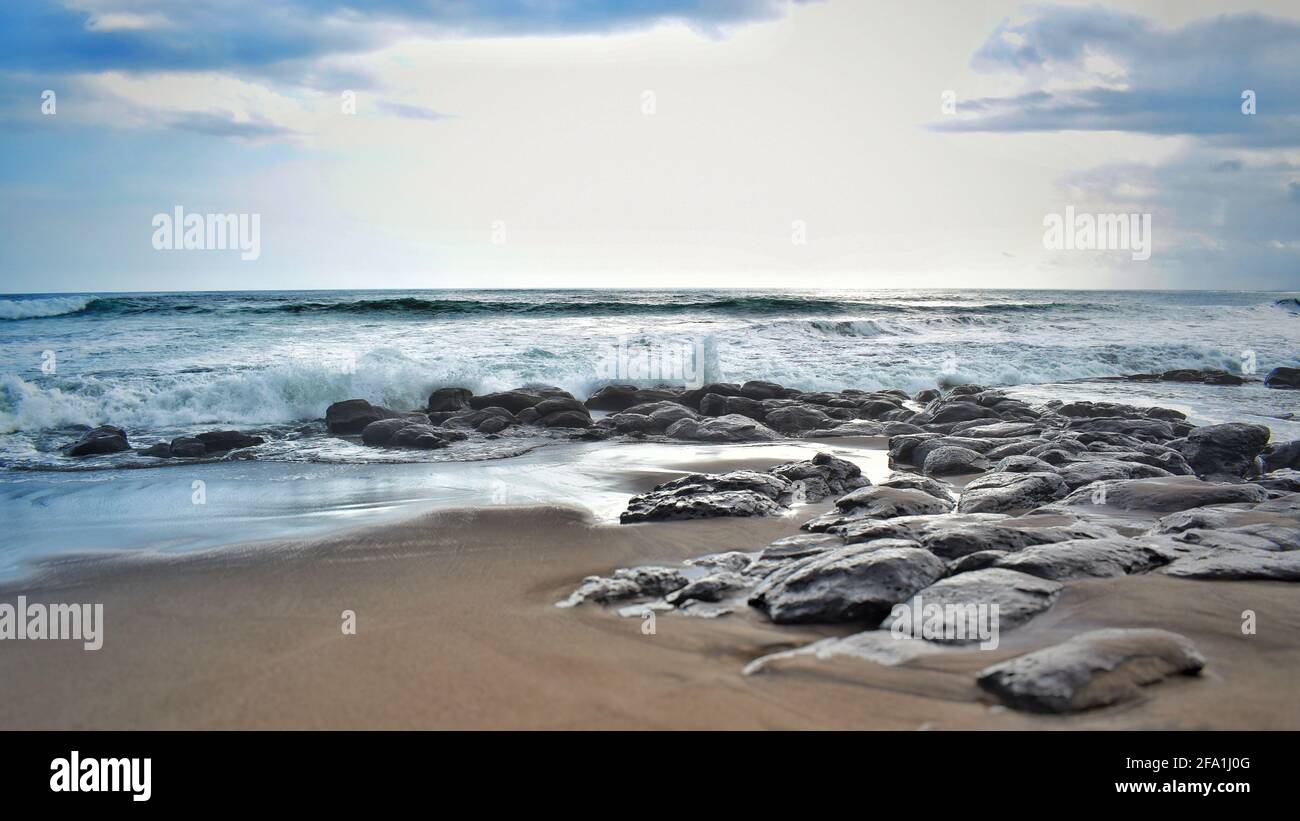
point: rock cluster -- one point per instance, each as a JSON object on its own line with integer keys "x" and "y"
{"x": 1066, "y": 492}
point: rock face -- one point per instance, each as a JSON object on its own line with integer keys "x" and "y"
{"x": 1091, "y": 670}
{"x": 859, "y": 583}
{"x": 1282, "y": 377}
{"x": 1225, "y": 451}
{"x": 1004, "y": 492}
{"x": 1018, "y": 596}
{"x": 352, "y": 415}
{"x": 103, "y": 439}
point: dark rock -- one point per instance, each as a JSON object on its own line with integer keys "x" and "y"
{"x": 822, "y": 476}
{"x": 513, "y": 401}
{"x": 797, "y": 419}
{"x": 1091, "y": 670}
{"x": 758, "y": 389}
{"x": 449, "y": 399}
{"x": 1281, "y": 455}
{"x": 100, "y": 440}
{"x": 1007, "y": 492}
{"x": 729, "y": 428}
{"x": 187, "y": 447}
{"x": 1084, "y": 558}
{"x": 699, "y": 495}
{"x": 927, "y": 396}
{"x": 219, "y": 441}
{"x": 1283, "y": 377}
{"x": 566, "y": 419}
{"x": 950, "y": 460}
{"x": 859, "y": 583}
{"x": 496, "y": 424}
{"x": 423, "y": 437}
{"x": 1225, "y": 451}
{"x": 1162, "y": 495}
{"x": 1018, "y": 596}
{"x": 627, "y": 583}
{"x": 352, "y": 415}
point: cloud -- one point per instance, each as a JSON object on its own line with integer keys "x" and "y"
{"x": 154, "y": 35}
{"x": 411, "y": 112}
{"x": 1093, "y": 69}
{"x": 221, "y": 123}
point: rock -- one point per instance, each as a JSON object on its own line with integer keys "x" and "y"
{"x": 1078, "y": 474}
{"x": 631, "y": 423}
{"x": 1018, "y": 596}
{"x": 978, "y": 560}
{"x": 352, "y": 415}
{"x": 1162, "y": 495}
{"x": 859, "y": 583}
{"x": 622, "y": 397}
{"x": 100, "y": 440}
{"x": 733, "y": 560}
{"x": 797, "y": 419}
{"x": 556, "y": 404}
{"x": 663, "y": 417}
{"x": 449, "y": 399}
{"x": 1084, "y": 558}
{"x": 1238, "y": 564}
{"x": 958, "y": 412}
{"x": 729, "y": 428}
{"x": 1023, "y": 464}
{"x": 853, "y": 427}
{"x": 626, "y": 583}
{"x": 566, "y": 419}
{"x": 380, "y": 432}
{"x": 512, "y": 401}
{"x": 1093, "y": 669}
{"x": 220, "y": 441}
{"x": 711, "y": 588}
{"x": 1007, "y": 492}
{"x": 878, "y": 502}
{"x": 822, "y": 476}
{"x": 950, "y": 459}
{"x": 422, "y": 437}
{"x": 1283, "y": 378}
{"x": 187, "y": 447}
{"x": 925, "y": 397}
{"x": 161, "y": 450}
{"x": 1281, "y": 455}
{"x": 924, "y": 484}
{"x": 698, "y": 495}
{"x": 1148, "y": 430}
{"x": 758, "y": 389}
{"x": 1225, "y": 451}
{"x": 495, "y": 424}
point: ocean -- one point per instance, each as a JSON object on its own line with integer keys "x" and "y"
{"x": 162, "y": 365}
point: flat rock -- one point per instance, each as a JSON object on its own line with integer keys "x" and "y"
{"x": 951, "y": 459}
{"x": 1005, "y": 492}
{"x": 856, "y": 583}
{"x": 1238, "y": 565}
{"x": 1083, "y": 559}
{"x": 1163, "y": 494}
{"x": 729, "y": 428}
{"x": 1018, "y": 596}
{"x": 1091, "y": 670}
{"x": 626, "y": 583}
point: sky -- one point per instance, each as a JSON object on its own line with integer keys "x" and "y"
{"x": 648, "y": 143}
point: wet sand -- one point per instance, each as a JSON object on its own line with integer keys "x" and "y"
{"x": 456, "y": 628}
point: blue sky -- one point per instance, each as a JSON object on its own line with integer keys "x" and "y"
{"x": 656, "y": 142}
